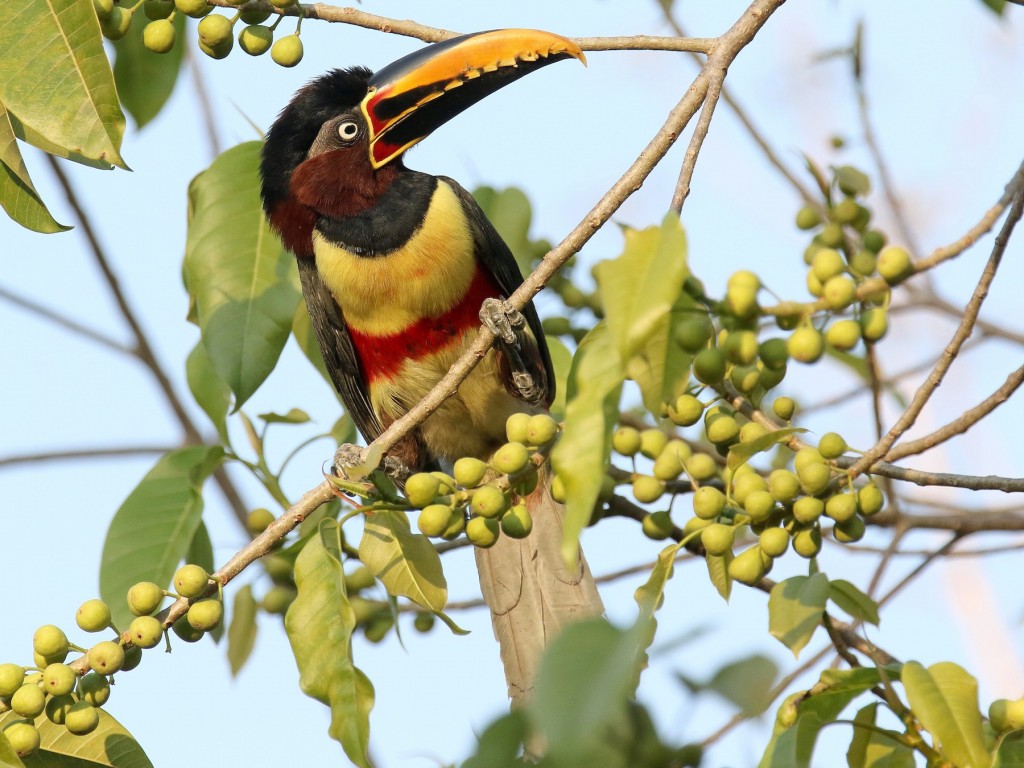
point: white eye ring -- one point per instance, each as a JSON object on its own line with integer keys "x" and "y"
{"x": 348, "y": 130}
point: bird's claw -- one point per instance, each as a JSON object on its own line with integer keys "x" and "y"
{"x": 347, "y": 455}
{"x": 396, "y": 469}
{"x": 502, "y": 320}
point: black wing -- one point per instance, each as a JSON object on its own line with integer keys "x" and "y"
{"x": 337, "y": 349}
{"x": 495, "y": 255}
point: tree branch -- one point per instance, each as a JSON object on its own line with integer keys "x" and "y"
{"x": 65, "y": 322}
{"x": 85, "y": 453}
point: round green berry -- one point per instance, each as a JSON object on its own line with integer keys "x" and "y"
{"x": 434, "y": 519}
{"x": 517, "y": 522}
{"x": 741, "y": 347}
{"x": 424, "y": 621}
{"x": 157, "y": 9}
{"x": 511, "y": 458}
{"x": 693, "y": 333}
{"x": 784, "y": 407}
{"x": 158, "y": 36}
{"x": 745, "y": 378}
{"x": 849, "y": 530}
{"x": 117, "y": 24}
{"x": 59, "y": 679}
{"x": 708, "y": 502}
{"x": 709, "y": 366}
{"x": 12, "y": 677}
{"x": 516, "y": 427}
{"x": 846, "y": 211}
{"x": 894, "y": 264}
{"x": 358, "y": 580}
{"x": 839, "y": 292}
{"x": 49, "y": 640}
{"x": 255, "y": 39}
{"x": 287, "y": 51}
{"x": 647, "y": 489}
{"x": 668, "y": 465}
{"x": 189, "y": 634}
{"x": 194, "y": 8}
{"x": 806, "y": 344}
{"x": 652, "y": 442}
{"x": 841, "y": 507}
{"x": 28, "y": 701}
{"x": 874, "y": 240}
{"x": 23, "y": 738}
{"x": 93, "y": 616}
{"x": 827, "y": 263}
{"x": 456, "y": 525}
{"x": 190, "y": 581}
{"x": 686, "y": 411}
{"x": 81, "y": 718}
{"x": 626, "y": 441}
{"x": 422, "y": 488}
{"x": 145, "y": 631}
{"x": 773, "y": 541}
{"x": 57, "y": 708}
{"x": 748, "y": 567}
{"x": 870, "y": 500}
{"x": 258, "y": 520}
{"x": 132, "y": 658}
{"x": 657, "y": 526}
{"x": 205, "y": 615}
{"x": 783, "y": 485}
{"x": 558, "y": 489}
{"x": 773, "y": 353}
{"x": 814, "y": 478}
{"x": 700, "y": 466}
{"x": 717, "y": 538}
{"x": 807, "y": 509}
{"x": 759, "y": 505}
{"x": 145, "y": 597}
{"x": 103, "y": 8}
{"x": 488, "y": 501}
{"x": 874, "y": 323}
{"x": 721, "y": 428}
{"x": 832, "y": 445}
{"x": 808, "y": 217}
{"x": 254, "y": 15}
{"x": 94, "y": 688}
{"x": 831, "y": 235}
{"x": 863, "y": 263}
{"x": 214, "y": 30}
{"x": 106, "y": 657}
{"x": 807, "y": 542}
{"x": 541, "y": 430}
{"x": 843, "y": 334}
{"x": 483, "y": 532}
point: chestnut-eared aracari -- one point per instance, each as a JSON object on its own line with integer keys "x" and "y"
{"x": 399, "y": 267}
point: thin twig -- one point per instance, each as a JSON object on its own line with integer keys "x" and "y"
{"x": 205, "y": 107}
{"x": 85, "y": 453}
{"x": 700, "y": 132}
{"x": 65, "y": 322}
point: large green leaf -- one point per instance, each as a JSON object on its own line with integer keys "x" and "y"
{"x": 243, "y": 284}
{"x": 849, "y": 597}
{"x": 8, "y": 757}
{"x": 110, "y": 745}
{"x": 500, "y": 743}
{"x": 302, "y": 329}
{"x": 17, "y": 195}
{"x": 319, "y": 624}
{"x": 57, "y": 81}
{"x": 662, "y": 367}
{"x": 212, "y": 394}
{"x": 747, "y": 683}
{"x": 944, "y": 698}
{"x": 509, "y": 211}
{"x": 243, "y": 629}
{"x": 870, "y": 748}
{"x": 718, "y": 572}
{"x": 406, "y": 563}
{"x": 154, "y": 528}
{"x": 649, "y": 596}
{"x": 795, "y": 608}
{"x": 145, "y": 79}
{"x": 592, "y": 409}
{"x": 1010, "y": 751}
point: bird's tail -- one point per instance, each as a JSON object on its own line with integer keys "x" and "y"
{"x": 531, "y": 592}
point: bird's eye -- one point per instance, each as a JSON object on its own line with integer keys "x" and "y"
{"x": 348, "y": 130}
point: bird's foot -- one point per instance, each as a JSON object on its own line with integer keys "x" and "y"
{"x": 347, "y": 455}
{"x": 396, "y": 469}
{"x": 509, "y": 326}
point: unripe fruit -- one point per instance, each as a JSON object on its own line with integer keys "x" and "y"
{"x": 59, "y": 679}
{"x": 751, "y": 431}
{"x": 745, "y": 378}
{"x": 145, "y": 631}
{"x": 647, "y": 489}
{"x": 894, "y": 264}
{"x": 276, "y": 601}
{"x": 106, "y": 657}
{"x": 668, "y": 465}
{"x": 541, "y": 430}
{"x": 831, "y": 446}
{"x": 558, "y": 489}
{"x": 874, "y": 240}
{"x": 219, "y": 51}
{"x": 456, "y": 525}
{"x": 746, "y": 483}
{"x": 808, "y": 218}
{"x": 806, "y": 345}
{"x": 814, "y": 286}
{"x": 378, "y": 627}
{"x": 686, "y": 411}
{"x": 874, "y": 323}
{"x": 254, "y": 16}
{"x": 807, "y": 509}
{"x": 741, "y": 347}
{"x": 652, "y": 442}
{"x": 204, "y": 615}
{"x": 708, "y": 502}
{"x": 103, "y": 8}
{"x": 194, "y": 8}
{"x": 998, "y": 715}
{"x": 773, "y": 541}
{"x": 849, "y": 530}
{"x": 158, "y": 36}
{"x": 783, "y": 407}
{"x": 695, "y": 524}
{"x": 843, "y": 334}
{"x": 144, "y": 598}
{"x": 483, "y": 532}
{"x": 12, "y": 677}
{"x": 255, "y": 39}
{"x": 517, "y": 522}
{"x": 807, "y": 542}
{"x": 759, "y": 505}
{"x": 831, "y": 235}
{"x": 488, "y": 501}
{"x": 214, "y": 30}
{"x": 258, "y": 520}
{"x": 23, "y": 738}
{"x": 709, "y": 366}
{"x": 516, "y": 426}
{"x": 282, "y": 4}
{"x": 189, "y": 634}
{"x": 839, "y": 292}
{"x": 511, "y": 458}
{"x": 94, "y": 689}
{"x": 28, "y": 701}
{"x": 190, "y": 581}
{"x": 50, "y": 641}
{"x": 657, "y": 525}
{"x": 722, "y": 428}
{"x": 626, "y": 441}
{"x": 783, "y": 485}
{"x": 280, "y": 568}
{"x": 748, "y": 566}
{"x": 827, "y": 262}
{"x": 423, "y": 622}
{"x": 846, "y": 211}
{"x": 863, "y": 263}
{"x": 772, "y": 377}
{"x": 132, "y": 658}
{"x": 81, "y": 718}
{"x": 717, "y": 538}
{"x": 158, "y": 9}
{"x": 93, "y": 616}
{"x": 117, "y": 24}
{"x": 870, "y": 500}
{"x": 287, "y": 51}
{"x": 694, "y": 333}
{"x": 701, "y": 466}
{"x": 422, "y": 488}
{"x": 806, "y": 456}
{"x": 814, "y": 478}
{"x": 773, "y": 353}
{"x": 57, "y": 708}
{"x": 361, "y": 578}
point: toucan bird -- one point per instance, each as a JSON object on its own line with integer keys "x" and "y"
{"x": 398, "y": 267}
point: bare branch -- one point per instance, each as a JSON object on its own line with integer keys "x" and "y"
{"x": 700, "y": 132}
{"x": 85, "y": 453}
{"x": 65, "y": 322}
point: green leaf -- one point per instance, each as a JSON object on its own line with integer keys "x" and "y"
{"x": 742, "y": 452}
{"x": 662, "y": 368}
{"x": 406, "y": 563}
{"x": 718, "y": 572}
{"x": 592, "y": 409}
{"x": 500, "y": 743}
{"x": 8, "y": 757}
{"x": 1010, "y": 751}
{"x": 795, "y": 608}
{"x": 210, "y": 393}
{"x": 243, "y": 630}
{"x": 853, "y": 179}
{"x": 110, "y": 745}
{"x": 294, "y": 416}
{"x": 153, "y": 530}
{"x": 561, "y": 361}
{"x": 944, "y": 698}
{"x": 997, "y": 6}
{"x": 648, "y": 597}
{"x": 509, "y": 211}
{"x": 848, "y": 597}
{"x": 871, "y": 749}
{"x": 17, "y": 195}
{"x": 243, "y": 283}
{"x": 319, "y": 624}
{"x": 746, "y": 683}
{"x": 145, "y": 80}
{"x": 57, "y": 81}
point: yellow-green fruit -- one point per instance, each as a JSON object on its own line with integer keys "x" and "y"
{"x": 145, "y": 597}
{"x": 456, "y": 525}
{"x": 23, "y": 738}
{"x": 807, "y": 542}
{"x": 657, "y": 525}
{"x": 807, "y": 455}
{"x": 157, "y": 9}
{"x": 874, "y": 323}
{"x": 741, "y": 293}
{"x": 117, "y": 24}
{"x": 694, "y": 333}
{"x": 424, "y": 621}
{"x": 57, "y": 708}
{"x": 626, "y": 441}
{"x": 717, "y": 538}
{"x": 517, "y": 522}
{"x": 759, "y": 505}
{"x": 541, "y": 430}
{"x": 511, "y": 458}
{"x": 189, "y": 634}
{"x": 773, "y": 353}
{"x": 748, "y": 566}
{"x": 806, "y": 345}
{"x": 283, "y": 4}
{"x": 204, "y": 615}
{"x": 276, "y": 601}
{"x": 49, "y": 640}
{"x": 709, "y": 366}
{"x": 483, "y": 532}
{"x": 434, "y": 519}
{"x": 12, "y": 677}
{"x": 752, "y": 431}
{"x": 870, "y": 500}
{"x": 488, "y": 501}
{"x": 894, "y": 264}
{"x": 832, "y": 445}
{"x": 686, "y": 411}
{"x": 145, "y": 631}
{"x": 647, "y": 489}
{"x": 59, "y": 679}
{"x": 132, "y": 658}
{"x": 255, "y": 39}
{"x": 194, "y": 8}
{"x": 422, "y": 488}
{"x": 701, "y": 466}
{"x": 526, "y": 481}
{"x": 287, "y": 51}
{"x": 254, "y": 15}
{"x": 783, "y": 407}
{"x": 668, "y": 465}
{"x": 839, "y": 292}
{"x": 745, "y": 378}
{"x": 258, "y": 520}
{"x": 190, "y": 581}
{"x": 773, "y": 542}
{"x": 998, "y": 715}
{"x": 28, "y": 701}
{"x": 814, "y": 286}
{"x": 722, "y": 428}
{"x": 849, "y": 530}
{"x": 469, "y": 472}
{"x": 219, "y": 51}
{"x": 652, "y": 442}
{"x": 103, "y": 8}
{"x": 708, "y": 502}
{"x": 516, "y": 426}
{"x": 695, "y": 524}
{"x": 783, "y": 485}
{"x": 814, "y": 478}
{"x": 807, "y": 509}
{"x": 94, "y": 688}
{"x": 81, "y": 718}
{"x": 558, "y": 489}
{"x": 214, "y": 30}
{"x": 863, "y": 263}
{"x": 93, "y": 616}
{"x": 745, "y": 483}
{"x": 831, "y": 236}
{"x": 827, "y": 263}
{"x": 378, "y": 627}
{"x": 106, "y": 657}
{"x": 280, "y": 569}
{"x": 808, "y": 217}
{"x": 846, "y": 211}
{"x": 843, "y": 334}
{"x": 741, "y": 347}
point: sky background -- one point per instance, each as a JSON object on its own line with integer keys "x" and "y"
{"x": 945, "y": 93}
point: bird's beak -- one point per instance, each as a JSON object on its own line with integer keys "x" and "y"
{"x": 411, "y": 97}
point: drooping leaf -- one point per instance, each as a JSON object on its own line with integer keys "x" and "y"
{"x": 319, "y": 624}
{"x": 871, "y": 749}
{"x": 848, "y": 597}
{"x": 500, "y": 743}
{"x": 243, "y": 283}
{"x": 406, "y": 563}
{"x": 718, "y": 572}
{"x": 561, "y": 361}
{"x": 109, "y": 746}
{"x": 57, "y": 82}
{"x": 154, "y": 527}
{"x": 294, "y": 416}
{"x": 648, "y": 597}
{"x": 17, "y": 195}
{"x": 853, "y": 179}
{"x": 145, "y": 80}
{"x": 944, "y": 698}
{"x": 211, "y": 394}
{"x": 243, "y": 629}
{"x": 743, "y": 452}
{"x": 746, "y": 683}
{"x": 795, "y": 608}
{"x": 662, "y": 368}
